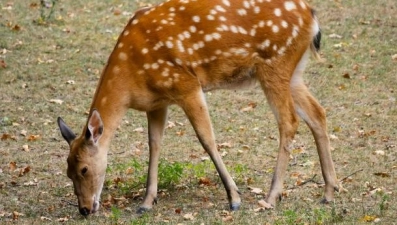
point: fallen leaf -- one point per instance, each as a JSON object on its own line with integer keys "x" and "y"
{"x": 180, "y": 133}
{"x": 250, "y": 107}
{"x": 43, "y": 218}
{"x": 24, "y": 171}
{"x": 3, "y": 64}
{"x": 139, "y": 130}
{"x": 57, "y": 101}
{"x": 379, "y": 152}
{"x": 346, "y": 76}
{"x": 204, "y": 181}
{"x": 16, "y": 27}
{"x": 15, "y": 215}
{"x": 178, "y": 210}
{"x": 5, "y": 137}
{"x": 170, "y": 124}
{"x": 225, "y": 145}
{"x": 64, "y": 219}
{"x": 368, "y": 218}
{"x": 33, "y": 137}
{"x": 23, "y": 133}
{"x": 25, "y": 148}
{"x": 205, "y": 158}
{"x": 335, "y": 36}
{"x": 264, "y": 204}
{"x": 394, "y": 57}
{"x": 12, "y": 166}
{"x": 70, "y": 82}
{"x": 255, "y": 190}
{"x": 188, "y": 216}
{"x": 227, "y": 218}
{"x": 382, "y": 174}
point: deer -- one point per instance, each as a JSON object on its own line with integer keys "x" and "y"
{"x": 174, "y": 52}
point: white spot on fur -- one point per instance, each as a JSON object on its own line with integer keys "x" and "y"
{"x": 192, "y": 29}
{"x": 179, "y": 44}
{"x": 246, "y": 4}
{"x": 269, "y": 23}
{"x": 220, "y": 8}
{"x": 242, "y": 12}
{"x": 242, "y": 30}
{"x": 295, "y": 31}
{"x": 289, "y": 5}
{"x": 253, "y": 32}
{"x": 233, "y": 29}
{"x": 169, "y": 44}
{"x": 123, "y": 56}
{"x": 275, "y": 29}
{"x": 277, "y": 12}
{"x": 300, "y": 21}
{"x": 302, "y": 4}
{"x": 226, "y": 2}
{"x": 178, "y": 61}
{"x": 222, "y": 18}
{"x": 257, "y": 10}
{"x": 120, "y": 45}
{"x": 284, "y": 24}
{"x": 196, "y": 19}
{"x": 281, "y": 50}
{"x": 145, "y": 51}
{"x": 155, "y": 66}
{"x": 116, "y": 70}
{"x": 126, "y": 32}
{"x": 186, "y": 34}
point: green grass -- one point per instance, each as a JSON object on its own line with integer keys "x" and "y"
{"x": 356, "y": 84}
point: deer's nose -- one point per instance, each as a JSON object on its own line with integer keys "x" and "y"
{"x": 84, "y": 211}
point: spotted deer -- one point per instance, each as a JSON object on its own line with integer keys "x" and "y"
{"x": 173, "y": 53}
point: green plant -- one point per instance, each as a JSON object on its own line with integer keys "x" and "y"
{"x": 290, "y": 217}
{"x": 169, "y": 173}
{"x": 116, "y": 213}
{"x": 383, "y": 205}
{"x": 47, "y": 8}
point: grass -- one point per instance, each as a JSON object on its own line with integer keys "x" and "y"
{"x": 61, "y": 56}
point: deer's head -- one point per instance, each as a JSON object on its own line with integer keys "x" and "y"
{"x": 86, "y": 164}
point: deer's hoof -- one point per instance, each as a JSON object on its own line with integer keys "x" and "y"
{"x": 142, "y": 210}
{"x": 235, "y": 206}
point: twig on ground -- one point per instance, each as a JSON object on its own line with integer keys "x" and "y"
{"x": 305, "y": 182}
{"x": 69, "y": 203}
{"x": 343, "y": 179}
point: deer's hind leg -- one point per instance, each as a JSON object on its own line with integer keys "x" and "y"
{"x": 276, "y": 85}
{"x": 313, "y": 114}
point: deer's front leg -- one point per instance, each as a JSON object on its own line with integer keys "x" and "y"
{"x": 156, "y": 124}
{"x": 196, "y": 110}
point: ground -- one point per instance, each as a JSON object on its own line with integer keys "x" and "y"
{"x": 51, "y": 57}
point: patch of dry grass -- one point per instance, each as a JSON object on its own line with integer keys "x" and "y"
{"x": 356, "y": 84}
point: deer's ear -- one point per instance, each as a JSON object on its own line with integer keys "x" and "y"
{"x": 66, "y": 132}
{"x": 94, "y": 128}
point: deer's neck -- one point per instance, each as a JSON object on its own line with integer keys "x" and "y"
{"x": 111, "y": 101}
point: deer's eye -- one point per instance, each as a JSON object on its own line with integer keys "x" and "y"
{"x": 84, "y": 171}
